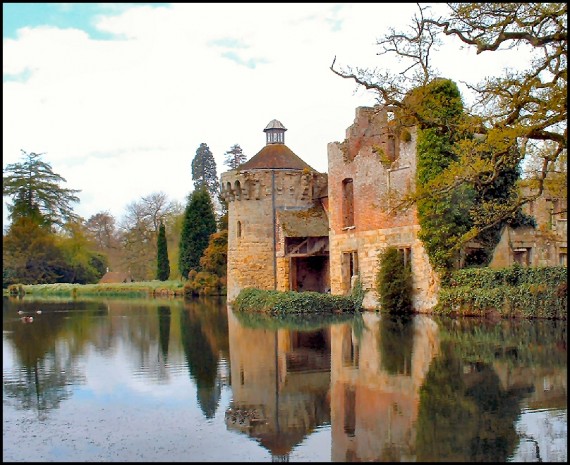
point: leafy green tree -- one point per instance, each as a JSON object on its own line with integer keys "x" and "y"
{"x": 204, "y": 172}
{"x": 83, "y": 264}
{"x": 36, "y": 192}
{"x": 215, "y": 257}
{"x": 198, "y": 225}
{"x": 30, "y": 254}
{"x": 516, "y": 113}
{"x": 234, "y": 157}
{"x": 162, "y": 262}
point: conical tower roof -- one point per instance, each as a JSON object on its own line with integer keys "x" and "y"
{"x": 275, "y": 155}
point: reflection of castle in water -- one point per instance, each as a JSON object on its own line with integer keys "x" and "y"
{"x": 391, "y": 389}
{"x": 375, "y": 392}
{"x": 280, "y": 383}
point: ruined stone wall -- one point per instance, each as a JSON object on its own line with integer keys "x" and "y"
{"x": 382, "y": 166}
{"x": 546, "y": 244}
{"x": 252, "y": 197}
{"x": 544, "y": 247}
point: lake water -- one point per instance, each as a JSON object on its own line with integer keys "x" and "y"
{"x": 189, "y": 380}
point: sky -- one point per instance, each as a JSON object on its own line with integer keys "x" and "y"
{"x": 119, "y": 96}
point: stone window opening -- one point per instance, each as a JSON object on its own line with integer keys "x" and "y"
{"x": 237, "y": 187}
{"x": 349, "y": 425}
{"x": 521, "y": 256}
{"x": 349, "y": 264}
{"x": 406, "y": 255}
{"x": 391, "y": 147}
{"x": 238, "y": 230}
{"x": 347, "y": 203}
{"x": 563, "y": 257}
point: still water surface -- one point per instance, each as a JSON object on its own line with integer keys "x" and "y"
{"x": 189, "y": 380}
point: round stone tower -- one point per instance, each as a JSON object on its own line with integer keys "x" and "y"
{"x": 272, "y": 180}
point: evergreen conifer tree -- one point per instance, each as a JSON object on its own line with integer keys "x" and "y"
{"x": 234, "y": 157}
{"x": 204, "y": 173}
{"x": 162, "y": 262}
{"x": 36, "y": 192}
{"x": 198, "y": 225}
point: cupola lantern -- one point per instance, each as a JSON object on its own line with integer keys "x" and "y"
{"x": 275, "y": 132}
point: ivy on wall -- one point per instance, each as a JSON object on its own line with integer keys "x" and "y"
{"x": 445, "y": 219}
{"x": 468, "y": 208}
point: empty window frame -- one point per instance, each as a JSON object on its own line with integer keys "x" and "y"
{"x": 347, "y": 203}
{"x": 349, "y": 269}
{"x": 563, "y": 257}
{"x": 521, "y": 256}
{"x": 406, "y": 255}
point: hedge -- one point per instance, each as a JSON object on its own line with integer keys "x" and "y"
{"x": 539, "y": 292}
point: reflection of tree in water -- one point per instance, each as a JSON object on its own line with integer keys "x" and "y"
{"x": 164, "y": 329}
{"x": 201, "y": 327}
{"x": 209, "y": 398}
{"x": 47, "y": 368}
{"x": 466, "y": 417}
{"x": 396, "y": 343}
{"x": 516, "y": 342}
{"x": 44, "y": 385}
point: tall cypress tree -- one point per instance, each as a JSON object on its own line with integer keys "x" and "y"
{"x": 198, "y": 225}
{"x": 162, "y": 262}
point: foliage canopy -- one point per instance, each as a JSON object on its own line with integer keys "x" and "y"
{"x": 198, "y": 225}
{"x": 234, "y": 157}
{"x": 162, "y": 262}
{"x": 518, "y": 115}
{"x": 204, "y": 172}
{"x": 36, "y": 192}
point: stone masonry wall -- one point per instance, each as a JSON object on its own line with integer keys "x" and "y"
{"x": 251, "y": 258}
{"x": 378, "y": 182}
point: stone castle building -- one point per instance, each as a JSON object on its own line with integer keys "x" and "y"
{"x": 293, "y": 228}
{"x": 277, "y": 223}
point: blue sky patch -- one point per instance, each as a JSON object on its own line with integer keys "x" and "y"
{"x": 251, "y": 63}
{"x": 62, "y": 15}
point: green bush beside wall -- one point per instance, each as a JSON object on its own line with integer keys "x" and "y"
{"x": 539, "y": 292}
{"x": 275, "y": 302}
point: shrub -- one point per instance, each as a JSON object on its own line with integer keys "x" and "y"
{"x": 394, "y": 282}
{"x": 276, "y": 302}
{"x": 539, "y": 292}
{"x": 202, "y": 283}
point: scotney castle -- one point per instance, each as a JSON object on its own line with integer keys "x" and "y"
{"x": 293, "y": 228}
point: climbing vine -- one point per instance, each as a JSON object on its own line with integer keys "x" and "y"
{"x": 445, "y": 219}
{"x": 465, "y": 210}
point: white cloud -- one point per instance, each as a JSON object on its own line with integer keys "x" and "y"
{"x": 123, "y": 118}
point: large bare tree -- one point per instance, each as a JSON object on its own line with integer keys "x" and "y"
{"x": 139, "y": 230}
{"x": 521, "y": 115}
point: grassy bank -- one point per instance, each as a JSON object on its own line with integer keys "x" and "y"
{"x": 136, "y": 289}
